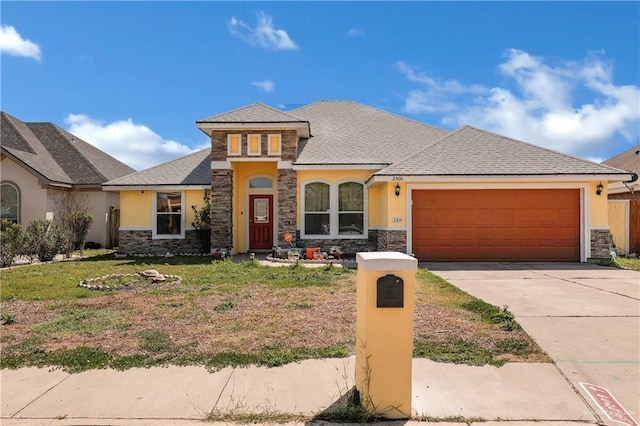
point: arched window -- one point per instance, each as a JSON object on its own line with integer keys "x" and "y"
{"x": 260, "y": 183}
{"x": 334, "y": 210}
{"x": 9, "y": 202}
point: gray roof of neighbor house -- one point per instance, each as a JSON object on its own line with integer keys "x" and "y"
{"x": 55, "y": 155}
{"x": 628, "y": 160}
{"x": 473, "y": 152}
{"x": 193, "y": 169}
{"x": 347, "y": 132}
{"x": 254, "y": 113}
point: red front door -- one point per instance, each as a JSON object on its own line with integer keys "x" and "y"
{"x": 260, "y": 222}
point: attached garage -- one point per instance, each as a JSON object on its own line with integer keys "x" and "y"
{"x": 496, "y": 225}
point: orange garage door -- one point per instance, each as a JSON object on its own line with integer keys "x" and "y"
{"x": 502, "y": 225}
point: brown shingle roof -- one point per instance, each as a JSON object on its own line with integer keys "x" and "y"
{"x": 628, "y": 160}
{"x": 56, "y": 155}
{"x": 193, "y": 169}
{"x": 473, "y": 152}
{"x": 254, "y": 113}
{"x": 347, "y": 132}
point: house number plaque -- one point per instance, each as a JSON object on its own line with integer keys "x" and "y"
{"x": 390, "y": 292}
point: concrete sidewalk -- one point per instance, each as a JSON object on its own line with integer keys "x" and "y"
{"x": 186, "y": 395}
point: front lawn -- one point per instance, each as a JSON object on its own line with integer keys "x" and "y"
{"x": 223, "y": 313}
{"x": 628, "y": 263}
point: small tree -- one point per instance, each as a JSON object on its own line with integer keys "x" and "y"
{"x": 202, "y": 222}
{"x": 79, "y": 225}
{"x": 11, "y": 242}
{"x": 71, "y": 213}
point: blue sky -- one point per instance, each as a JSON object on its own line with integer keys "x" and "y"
{"x": 133, "y": 77}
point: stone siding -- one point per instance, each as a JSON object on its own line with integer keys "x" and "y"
{"x": 349, "y": 247}
{"x": 391, "y": 240}
{"x": 601, "y": 244}
{"x": 287, "y": 206}
{"x": 221, "y": 209}
{"x": 289, "y": 145}
{"x": 142, "y": 242}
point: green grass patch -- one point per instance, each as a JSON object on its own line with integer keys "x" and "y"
{"x": 454, "y": 351}
{"x": 155, "y": 341}
{"x": 81, "y": 322}
{"x": 492, "y": 314}
{"x": 159, "y": 351}
{"x": 440, "y": 291}
{"x": 627, "y": 263}
{"x": 59, "y": 280}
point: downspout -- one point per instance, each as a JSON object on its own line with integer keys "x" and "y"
{"x": 634, "y": 177}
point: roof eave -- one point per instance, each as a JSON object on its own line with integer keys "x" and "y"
{"x": 302, "y": 127}
{"x": 557, "y": 177}
{"x": 154, "y": 187}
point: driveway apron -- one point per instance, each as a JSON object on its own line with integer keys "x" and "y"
{"x": 585, "y": 316}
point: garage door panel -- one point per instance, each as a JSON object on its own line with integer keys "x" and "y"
{"x": 490, "y": 225}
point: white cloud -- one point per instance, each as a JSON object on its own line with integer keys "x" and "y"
{"x": 13, "y": 44}
{"x": 434, "y": 96}
{"x": 264, "y": 35}
{"x": 266, "y": 85}
{"x": 355, "y": 32}
{"x": 134, "y": 144}
{"x": 569, "y": 106}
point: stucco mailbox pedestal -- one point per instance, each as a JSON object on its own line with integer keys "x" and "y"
{"x": 384, "y": 331}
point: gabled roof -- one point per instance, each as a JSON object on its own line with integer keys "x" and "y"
{"x": 193, "y": 169}
{"x": 254, "y": 113}
{"x": 55, "y": 155}
{"x": 347, "y": 132}
{"x": 473, "y": 152}
{"x": 257, "y": 117}
{"x": 628, "y": 160}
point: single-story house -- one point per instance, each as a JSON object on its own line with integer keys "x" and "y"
{"x": 624, "y": 203}
{"x": 340, "y": 173}
{"x": 45, "y": 168}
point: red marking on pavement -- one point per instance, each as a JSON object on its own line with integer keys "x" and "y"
{"x": 609, "y": 405}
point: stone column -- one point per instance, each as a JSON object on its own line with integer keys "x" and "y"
{"x": 221, "y": 209}
{"x": 287, "y": 190}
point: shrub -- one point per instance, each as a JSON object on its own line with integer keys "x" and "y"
{"x": 79, "y": 225}
{"x": 202, "y": 222}
{"x": 11, "y": 242}
{"x": 45, "y": 241}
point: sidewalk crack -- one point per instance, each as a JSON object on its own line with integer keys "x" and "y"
{"x": 38, "y": 397}
{"x": 233, "y": 370}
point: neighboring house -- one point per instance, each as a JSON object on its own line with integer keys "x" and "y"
{"x": 624, "y": 203}
{"x": 339, "y": 173}
{"x": 44, "y": 166}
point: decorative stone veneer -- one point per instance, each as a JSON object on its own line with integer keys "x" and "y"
{"x": 289, "y": 144}
{"x": 601, "y": 244}
{"x": 133, "y": 242}
{"x": 287, "y": 184}
{"x": 221, "y": 208}
{"x": 391, "y": 240}
{"x": 349, "y": 247}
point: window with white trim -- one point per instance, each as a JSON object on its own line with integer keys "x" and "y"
{"x": 9, "y": 202}
{"x": 254, "y": 144}
{"x": 274, "y": 144}
{"x": 168, "y": 215}
{"x": 334, "y": 210}
{"x": 234, "y": 144}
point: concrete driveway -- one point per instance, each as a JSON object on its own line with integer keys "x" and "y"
{"x": 586, "y": 317}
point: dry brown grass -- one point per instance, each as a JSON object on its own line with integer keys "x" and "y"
{"x": 246, "y": 320}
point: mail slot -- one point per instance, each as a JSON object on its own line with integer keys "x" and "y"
{"x": 390, "y": 292}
